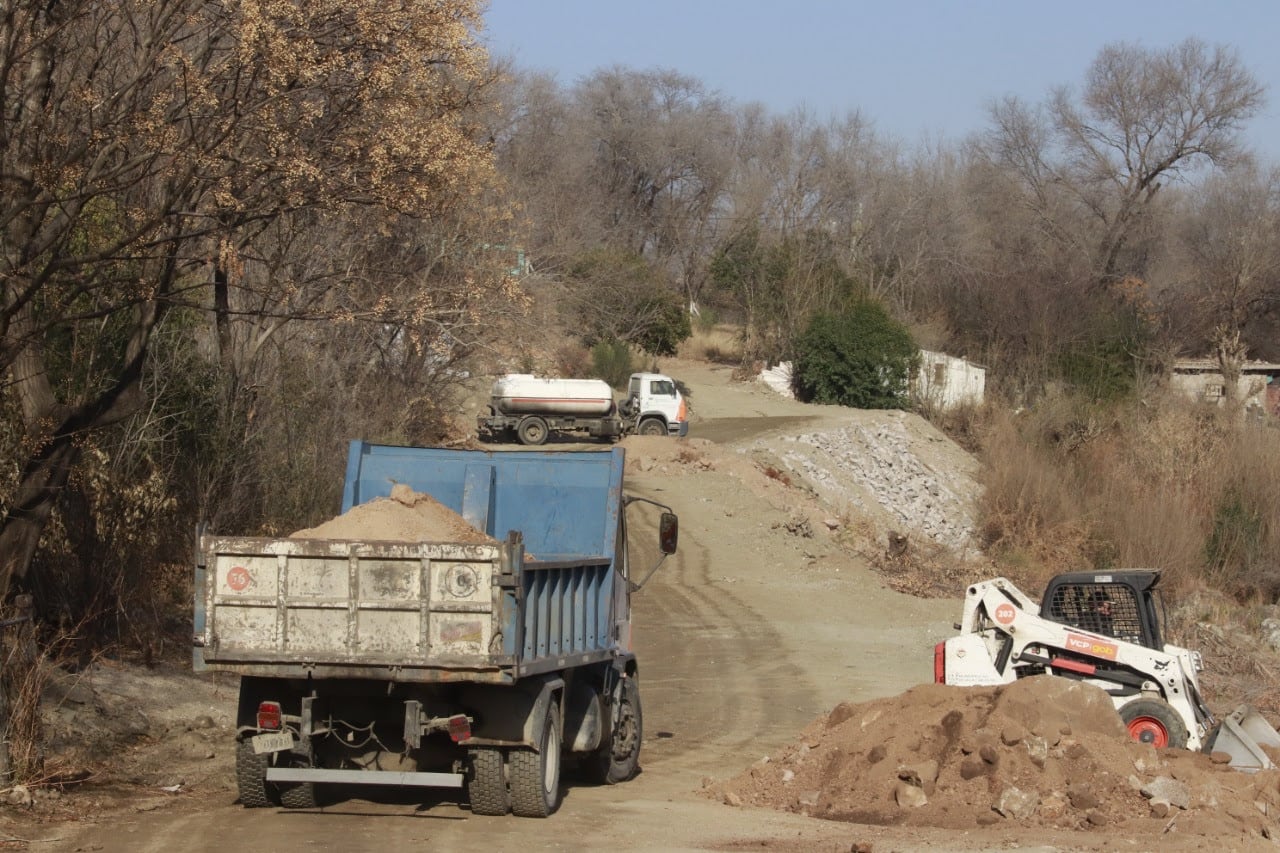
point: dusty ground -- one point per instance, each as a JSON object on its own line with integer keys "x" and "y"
{"x": 764, "y": 629}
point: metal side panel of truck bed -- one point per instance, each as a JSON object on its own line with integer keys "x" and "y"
{"x": 551, "y": 595}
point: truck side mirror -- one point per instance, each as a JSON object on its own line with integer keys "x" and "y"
{"x": 668, "y": 532}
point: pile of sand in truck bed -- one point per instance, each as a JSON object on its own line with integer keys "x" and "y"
{"x": 405, "y": 516}
{"x": 1041, "y": 752}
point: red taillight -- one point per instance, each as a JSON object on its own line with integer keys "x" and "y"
{"x": 940, "y": 663}
{"x": 269, "y": 715}
{"x": 459, "y": 728}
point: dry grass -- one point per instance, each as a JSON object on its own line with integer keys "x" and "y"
{"x": 721, "y": 344}
{"x": 22, "y": 680}
{"x": 1162, "y": 485}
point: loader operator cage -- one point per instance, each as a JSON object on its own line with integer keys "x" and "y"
{"x": 1110, "y": 609}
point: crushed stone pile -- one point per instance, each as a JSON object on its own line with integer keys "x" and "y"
{"x": 878, "y": 466}
{"x": 1041, "y": 752}
{"x": 405, "y": 516}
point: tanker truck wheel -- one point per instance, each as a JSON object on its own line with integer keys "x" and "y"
{"x": 486, "y": 784}
{"x": 618, "y": 759}
{"x": 652, "y": 426}
{"x": 532, "y": 431}
{"x": 535, "y": 776}
{"x": 1155, "y": 722}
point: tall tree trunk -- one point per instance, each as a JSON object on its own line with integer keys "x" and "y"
{"x": 1231, "y": 353}
{"x": 55, "y": 431}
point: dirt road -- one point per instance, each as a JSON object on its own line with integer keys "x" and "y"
{"x": 747, "y": 635}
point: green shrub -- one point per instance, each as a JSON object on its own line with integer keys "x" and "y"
{"x": 621, "y": 296}
{"x": 611, "y": 361}
{"x": 667, "y": 323}
{"x": 861, "y": 358}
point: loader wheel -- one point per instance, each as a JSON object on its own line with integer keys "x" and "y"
{"x": 535, "y": 776}
{"x": 486, "y": 782}
{"x": 532, "y": 431}
{"x": 1155, "y": 722}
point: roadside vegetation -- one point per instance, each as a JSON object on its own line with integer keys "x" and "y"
{"x": 344, "y": 215}
{"x": 1153, "y": 481}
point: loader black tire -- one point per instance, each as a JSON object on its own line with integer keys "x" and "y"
{"x": 486, "y": 782}
{"x": 535, "y": 776}
{"x": 618, "y": 759}
{"x": 251, "y": 778}
{"x": 1155, "y": 722}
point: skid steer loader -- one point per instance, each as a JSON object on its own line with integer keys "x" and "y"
{"x": 1102, "y": 628}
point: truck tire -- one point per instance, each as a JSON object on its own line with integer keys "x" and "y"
{"x": 532, "y": 431}
{"x": 619, "y": 759}
{"x": 1155, "y": 722}
{"x": 251, "y": 778}
{"x": 486, "y": 784}
{"x": 535, "y": 776}
{"x": 298, "y": 795}
{"x": 652, "y": 426}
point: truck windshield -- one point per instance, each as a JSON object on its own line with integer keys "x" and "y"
{"x": 662, "y": 388}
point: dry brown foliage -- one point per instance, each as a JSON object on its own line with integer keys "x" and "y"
{"x": 1160, "y": 484}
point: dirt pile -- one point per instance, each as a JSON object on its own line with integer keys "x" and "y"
{"x": 405, "y": 516}
{"x": 1042, "y": 752}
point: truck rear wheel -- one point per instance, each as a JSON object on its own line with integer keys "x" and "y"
{"x": 486, "y": 784}
{"x": 535, "y": 776}
{"x": 618, "y": 759}
{"x": 298, "y": 795}
{"x": 251, "y": 778}
{"x": 532, "y": 431}
{"x": 652, "y": 426}
{"x": 1155, "y": 722}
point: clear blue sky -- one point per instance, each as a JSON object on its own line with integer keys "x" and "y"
{"x": 914, "y": 68}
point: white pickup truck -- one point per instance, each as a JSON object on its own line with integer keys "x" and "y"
{"x": 531, "y": 408}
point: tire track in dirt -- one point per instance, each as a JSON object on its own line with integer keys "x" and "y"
{"x": 720, "y": 687}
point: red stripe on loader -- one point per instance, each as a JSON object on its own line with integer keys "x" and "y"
{"x": 1073, "y": 665}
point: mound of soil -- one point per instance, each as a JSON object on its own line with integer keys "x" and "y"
{"x": 405, "y": 516}
{"x": 1041, "y": 752}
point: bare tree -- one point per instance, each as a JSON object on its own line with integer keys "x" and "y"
{"x": 634, "y": 162}
{"x": 1228, "y": 277}
{"x": 1144, "y": 117}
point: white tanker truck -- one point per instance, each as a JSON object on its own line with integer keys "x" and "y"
{"x": 531, "y": 408}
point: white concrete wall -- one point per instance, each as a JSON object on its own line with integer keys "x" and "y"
{"x": 1207, "y": 386}
{"x": 946, "y": 381}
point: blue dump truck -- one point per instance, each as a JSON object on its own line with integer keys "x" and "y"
{"x": 479, "y": 664}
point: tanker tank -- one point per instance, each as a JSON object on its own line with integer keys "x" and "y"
{"x": 525, "y": 394}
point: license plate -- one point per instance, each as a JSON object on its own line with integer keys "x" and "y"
{"x": 272, "y": 742}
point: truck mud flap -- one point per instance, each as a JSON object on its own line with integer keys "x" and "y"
{"x": 1242, "y": 735}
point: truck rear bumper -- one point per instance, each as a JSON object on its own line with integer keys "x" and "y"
{"x": 365, "y": 777}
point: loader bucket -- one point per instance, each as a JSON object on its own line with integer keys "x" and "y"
{"x": 1242, "y": 735}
